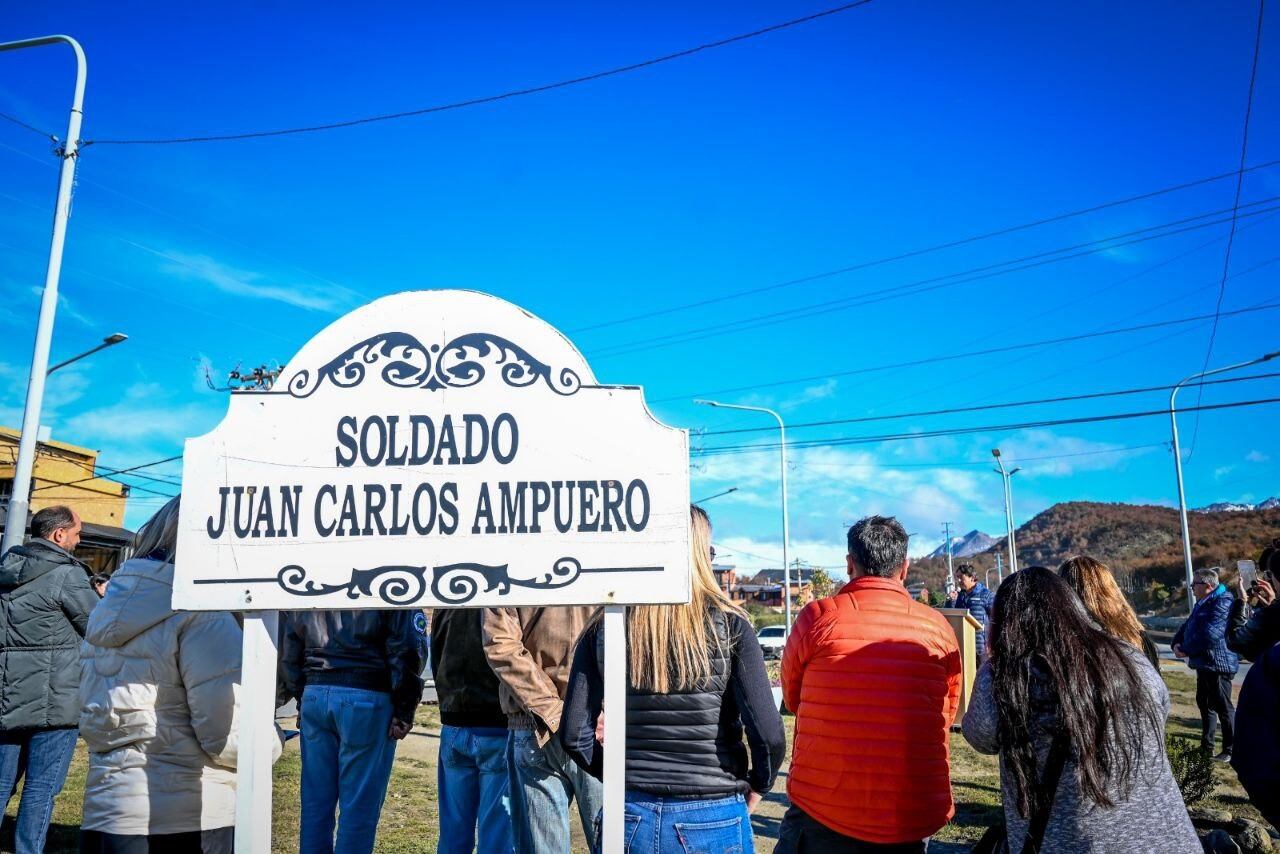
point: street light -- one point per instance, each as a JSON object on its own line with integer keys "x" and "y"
{"x": 1177, "y": 459}
{"x": 110, "y": 341}
{"x": 786, "y": 525}
{"x": 717, "y": 495}
{"x": 1008, "y": 507}
{"x": 16, "y": 517}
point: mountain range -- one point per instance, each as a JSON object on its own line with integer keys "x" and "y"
{"x": 1239, "y": 506}
{"x": 1141, "y": 543}
{"x": 970, "y": 544}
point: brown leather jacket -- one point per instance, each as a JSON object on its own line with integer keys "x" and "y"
{"x": 530, "y": 650}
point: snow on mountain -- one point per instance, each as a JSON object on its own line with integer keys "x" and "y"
{"x": 971, "y": 543}
{"x": 1239, "y": 506}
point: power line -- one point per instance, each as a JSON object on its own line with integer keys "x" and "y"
{"x": 104, "y": 474}
{"x": 1097, "y": 395}
{"x": 1008, "y": 348}
{"x": 1235, "y": 207}
{"x": 20, "y": 123}
{"x": 986, "y": 462}
{"x": 490, "y": 99}
{"x": 961, "y": 431}
{"x": 920, "y": 286}
{"x": 914, "y": 253}
{"x": 133, "y": 486}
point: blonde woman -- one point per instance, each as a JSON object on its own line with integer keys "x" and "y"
{"x": 158, "y": 707}
{"x": 1093, "y": 582}
{"x": 696, "y": 679}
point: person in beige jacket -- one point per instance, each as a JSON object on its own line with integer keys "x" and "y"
{"x": 158, "y": 696}
{"x": 530, "y": 651}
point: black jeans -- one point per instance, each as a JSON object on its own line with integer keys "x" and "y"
{"x": 1213, "y": 696}
{"x": 802, "y": 834}
{"x": 218, "y": 841}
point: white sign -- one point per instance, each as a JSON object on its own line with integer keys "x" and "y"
{"x": 435, "y": 448}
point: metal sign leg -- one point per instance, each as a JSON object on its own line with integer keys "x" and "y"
{"x": 615, "y": 727}
{"x": 256, "y": 732}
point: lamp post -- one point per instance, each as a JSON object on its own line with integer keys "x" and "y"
{"x": 717, "y": 495}
{"x": 1177, "y": 459}
{"x": 110, "y": 341}
{"x": 16, "y": 517}
{"x": 786, "y": 525}
{"x": 1008, "y": 507}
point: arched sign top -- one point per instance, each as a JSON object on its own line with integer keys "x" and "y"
{"x": 435, "y": 448}
{"x": 437, "y": 340}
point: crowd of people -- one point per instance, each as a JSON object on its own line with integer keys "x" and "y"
{"x": 1067, "y": 694}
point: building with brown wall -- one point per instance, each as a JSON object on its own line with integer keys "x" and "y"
{"x": 67, "y": 474}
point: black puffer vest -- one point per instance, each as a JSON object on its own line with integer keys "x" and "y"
{"x": 687, "y": 744}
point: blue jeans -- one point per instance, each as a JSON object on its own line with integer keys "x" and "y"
{"x": 543, "y": 782}
{"x": 346, "y": 762}
{"x": 686, "y": 825}
{"x": 42, "y": 757}
{"x": 473, "y": 784}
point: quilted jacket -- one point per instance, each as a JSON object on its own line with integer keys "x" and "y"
{"x": 874, "y": 679}
{"x": 980, "y": 601}
{"x": 159, "y": 692}
{"x": 1203, "y": 637}
{"x": 45, "y": 600}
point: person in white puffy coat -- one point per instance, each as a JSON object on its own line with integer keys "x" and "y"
{"x": 159, "y": 696}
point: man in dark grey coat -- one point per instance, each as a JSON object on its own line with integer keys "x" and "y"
{"x": 45, "y": 600}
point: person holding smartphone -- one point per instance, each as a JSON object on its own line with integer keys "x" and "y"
{"x": 1259, "y": 707}
{"x": 1262, "y": 630}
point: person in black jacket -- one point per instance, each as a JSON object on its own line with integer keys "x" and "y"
{"x": 357, "y": 677}
{"x": 696, "y": 678}
{"x": 1258, "y": 710}
{"x": 45, "y": 600}
{"x": 472, "y": 772}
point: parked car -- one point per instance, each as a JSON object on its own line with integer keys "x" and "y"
{"x": 772, "y": 640}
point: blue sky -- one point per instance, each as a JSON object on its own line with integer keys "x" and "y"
{"x": 888, "y": 128}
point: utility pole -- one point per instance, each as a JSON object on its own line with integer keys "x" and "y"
{"x": 999, "y": 568}
{"x": 1008, "y": 507}
{"x": 28, "y": 443}
{"x": 786, "y": 524}
{"x": 1177, "y": 460}
{"x": 951, "y": 578}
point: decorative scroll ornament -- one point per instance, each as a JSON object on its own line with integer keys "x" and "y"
{"x": 407, "y": 363}
{"x": 458, "y": 583}
{"x": 452, "y": 584}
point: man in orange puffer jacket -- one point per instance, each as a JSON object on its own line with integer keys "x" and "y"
{"x": 874, "y": 680}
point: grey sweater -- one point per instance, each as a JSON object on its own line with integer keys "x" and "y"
{"x": 1152, "y": 818}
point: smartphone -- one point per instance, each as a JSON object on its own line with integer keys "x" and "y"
{"x": 1248, "y": 576}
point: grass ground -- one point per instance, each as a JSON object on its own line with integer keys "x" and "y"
{"x": 409, "y": 819}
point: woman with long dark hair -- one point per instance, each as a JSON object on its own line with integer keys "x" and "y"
{"x": 1077, "y": 717}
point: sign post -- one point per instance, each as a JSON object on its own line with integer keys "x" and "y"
{"x": 432, "y": 449}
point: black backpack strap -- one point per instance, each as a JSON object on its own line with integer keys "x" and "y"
{"x": 1053, "y": 766}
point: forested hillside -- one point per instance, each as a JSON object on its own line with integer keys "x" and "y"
{"x": 1139, "y": 542}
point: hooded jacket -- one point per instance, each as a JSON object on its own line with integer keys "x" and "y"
{"x": 1203, "y": 636}
{"x": 159, "y": 693}
{"x": 45, "y": 600}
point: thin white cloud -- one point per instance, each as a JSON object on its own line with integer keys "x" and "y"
{"x": 1256, "y": 456}
{"x": 247, "y": 283}
{"x": 143, "y": 416}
